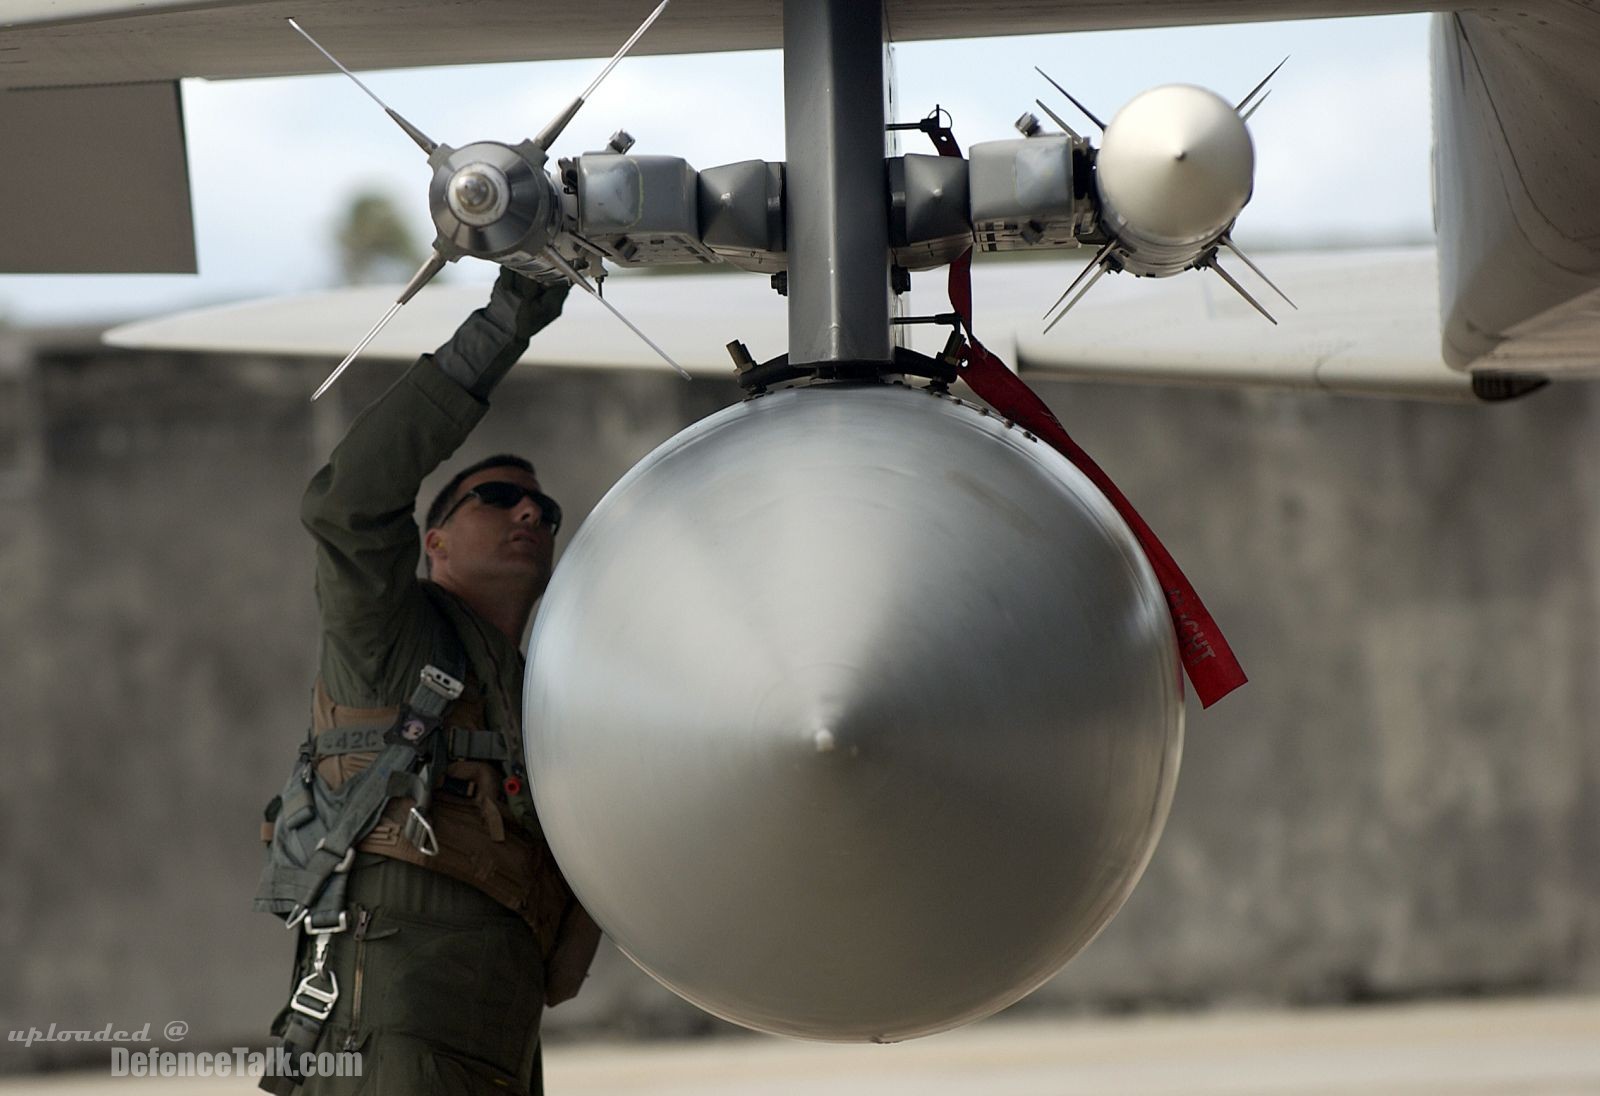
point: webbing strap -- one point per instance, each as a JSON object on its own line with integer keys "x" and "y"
{"x": 403, "y": 749}
{"x": 1207, "y": 659}
{"x": 469, "y": 745}
{"x": 461, "y": 743}
{"x": 366, "y": 802}
{"x": 448, "y": 653}
{"x": 300, "y": 1036}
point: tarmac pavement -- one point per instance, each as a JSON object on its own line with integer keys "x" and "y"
{"x": 1533, "y": 1047}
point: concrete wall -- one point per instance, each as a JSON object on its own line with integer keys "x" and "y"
{"x": 1404, "y": 801}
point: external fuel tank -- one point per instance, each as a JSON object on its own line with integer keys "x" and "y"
{"x": 853, "y": 712}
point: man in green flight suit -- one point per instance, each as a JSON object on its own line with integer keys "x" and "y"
{"x": 458, "y": 936}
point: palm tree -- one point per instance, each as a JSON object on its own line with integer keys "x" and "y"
{"x": 374, "y": 243}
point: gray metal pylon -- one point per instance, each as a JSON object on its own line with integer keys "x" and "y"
{"x": 837, "y": 212}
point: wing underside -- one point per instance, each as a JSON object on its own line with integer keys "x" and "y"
{"x": 1366, "y": 326}
{"x": 1516, "y": 94}
{"x": 104, "y": 186}
{"x": 53, "y": 43}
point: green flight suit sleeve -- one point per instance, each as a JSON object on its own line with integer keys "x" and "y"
{"x": 377, "y": 624}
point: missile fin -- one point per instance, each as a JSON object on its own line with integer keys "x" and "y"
{"x": 559, "y": 261}
{"x": 423, "y": 141}
{"x": 1255, "y": 107}
{"x": 1056, "y": 118}
{"x": 1086, "y": 111}
{"x": 1227, "y": 242}
{"x": 1099, "y": 271}
{"x": 1257, "y": 89}
{"x": 1082, "y": 274}
{"x": 436, "y": 262}
{"x": 548, "y": 135}
{"x": 1239, "y": 289}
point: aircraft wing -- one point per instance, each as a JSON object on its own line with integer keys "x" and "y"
{"x": 89, "y": 87}
{"x": 60, "y": 43}
{"x": 1367, "y": 325}
{"x": 1516, "y": 103}
{"x": 688, "y": 315}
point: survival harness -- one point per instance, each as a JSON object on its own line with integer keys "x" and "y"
{"x": 315, "y": 831}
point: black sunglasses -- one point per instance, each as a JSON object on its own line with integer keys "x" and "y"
{"x": 503, "y": 496}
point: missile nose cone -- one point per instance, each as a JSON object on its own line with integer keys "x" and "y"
{"x": 478, "y": 194}
{"x": 1176, "y": 165}
{"x": 473, "y": 191}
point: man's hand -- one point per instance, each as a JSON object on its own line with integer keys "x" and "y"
{"x": 485, "y": 347}
{"x": 537, "y": 303}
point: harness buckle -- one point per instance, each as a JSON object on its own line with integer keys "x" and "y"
{"x": 310, "y": 998}
{"x": 324, "y": 931}
{"x": 345, "y": 861}
{"x": 419, "y": 832}
{"x": 442, "y": 683}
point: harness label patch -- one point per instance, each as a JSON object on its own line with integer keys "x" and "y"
{"x": 350, "y": 740}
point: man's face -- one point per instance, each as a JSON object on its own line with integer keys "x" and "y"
{"x": 480, "y": 543}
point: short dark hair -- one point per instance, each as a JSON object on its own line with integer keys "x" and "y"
{"x": 447, "y": 495}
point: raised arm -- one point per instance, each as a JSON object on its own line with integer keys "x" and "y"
{"x": 359, "y": 506}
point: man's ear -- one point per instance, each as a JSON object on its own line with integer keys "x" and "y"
{"x": 434, "y": 543}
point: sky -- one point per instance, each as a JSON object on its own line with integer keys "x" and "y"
{"x": 1342, "y": 145}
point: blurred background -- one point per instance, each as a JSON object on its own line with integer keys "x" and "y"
{"x": 1404, "y": 804}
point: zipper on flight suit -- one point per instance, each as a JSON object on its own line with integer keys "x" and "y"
{"x": 363, "y": 920}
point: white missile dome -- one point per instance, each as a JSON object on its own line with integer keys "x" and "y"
{"x": 853, "y": 713}
{"x": 1176, "y": 165}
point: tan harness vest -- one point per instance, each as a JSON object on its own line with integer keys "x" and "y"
{"x": 480, "y": 842}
